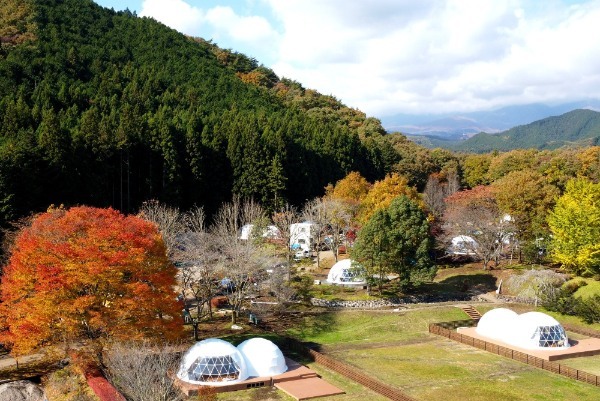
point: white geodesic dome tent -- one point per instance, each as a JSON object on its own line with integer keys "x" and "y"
{"x": 497, "y": 324}
{"x": 263, "y": 358}
{"x": 212, "y": 362}
{"x": 346, "y": 272}
{"x": 536, "y": 330}
{"x": 462, "y": 245}
{"x": 531, "y": 330}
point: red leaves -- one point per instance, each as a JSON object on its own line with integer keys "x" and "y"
{"x": 88, "y": 270}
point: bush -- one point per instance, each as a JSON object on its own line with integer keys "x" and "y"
{"x": 589, "y": 309}
{"x": 302, "y": 285}
{"x": 67, "y": 385}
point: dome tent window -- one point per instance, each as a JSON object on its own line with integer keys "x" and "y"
{"x": 212, "y": 362}
{"x": 347, "y": 272}
{"x": 552, "y": 336}
{"x": 208, "y": 369}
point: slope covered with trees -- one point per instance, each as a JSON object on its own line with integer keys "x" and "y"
{"x": 104, "y": 108}
{"x": 575, "y": 128}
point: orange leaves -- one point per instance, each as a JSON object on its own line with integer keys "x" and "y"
{"x": 88, "y": 272}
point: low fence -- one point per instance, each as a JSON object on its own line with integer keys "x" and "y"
{"x": 348, "y": 371}
{"x": 579, "y": 330}
{"x": 443, "y": 329}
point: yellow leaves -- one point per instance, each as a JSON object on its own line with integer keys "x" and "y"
{"x": 16, "y": 22}
{"x": 383, "y": 192}
{"x": 575, "y": 226}
{"x": 352, "y": 188}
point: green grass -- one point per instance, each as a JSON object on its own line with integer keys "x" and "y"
{"x": 370, "y": 327}
{"x": 590, "y": 364}
{"x": 396, "y": 348}
{"x": 339, "y": 292}
{"x": 592, "y": 288}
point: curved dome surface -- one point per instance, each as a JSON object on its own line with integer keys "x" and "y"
{"x": 345, "y": 273}
{"x": 212, "y": 362}
{"x": 536, "y": 330}
{"x": 497, "y": 323}
{"x": 263, "y": 358}
{"x": 531, "y": 330}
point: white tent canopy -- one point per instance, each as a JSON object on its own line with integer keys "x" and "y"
{"x": 346, "y": 272}
{"x": 213, "y": 362}
{"x": 462, "y": 245}
{"x": 497, "y": 323}
{"x": 531, "y": 330}
{"x": 263, "y": 358}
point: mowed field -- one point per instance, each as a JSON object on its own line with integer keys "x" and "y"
{"x": 396, "y": 348}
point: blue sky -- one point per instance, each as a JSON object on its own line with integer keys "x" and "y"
{"x": 404, "y": 56}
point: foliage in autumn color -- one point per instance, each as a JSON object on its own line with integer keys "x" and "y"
{"x": 382, "y": 193}
{"x": 87, "y": 273}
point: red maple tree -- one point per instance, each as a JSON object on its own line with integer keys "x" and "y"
{"x": 87, "y": 273}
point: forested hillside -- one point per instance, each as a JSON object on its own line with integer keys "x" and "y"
{"x": 575, "y": 128}
{"x": 104, "y": 108}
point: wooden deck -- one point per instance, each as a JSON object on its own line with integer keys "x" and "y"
{"x": 298, "y": 381}
{"x": 578, "y": 348}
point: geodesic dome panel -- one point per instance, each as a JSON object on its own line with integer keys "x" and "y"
{"x": 536, "y": 330}
{"x": 346, "y": 272}
{"x": 497, "y": 323}
{"x": 212, "y": 362}
{"x": 263, "y": 358}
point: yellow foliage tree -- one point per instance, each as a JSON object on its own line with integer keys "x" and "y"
{"x": 575, "y": 226}
{"x": 383, "y": 192}
{"x": 352, "y": 188}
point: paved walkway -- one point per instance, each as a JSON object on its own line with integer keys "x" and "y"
{"x": 9, "y": 362}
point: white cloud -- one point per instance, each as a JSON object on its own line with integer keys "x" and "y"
{"x": 219, "y": 23}
{"x": 406, "y": 56}
{"x": 177, "y": 14}
{"x": 429, "y": 56}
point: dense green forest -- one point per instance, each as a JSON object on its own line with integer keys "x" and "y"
{"x": 105, "y": 108}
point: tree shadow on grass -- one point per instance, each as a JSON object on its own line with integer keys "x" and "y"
{"x": 461, "y": 286}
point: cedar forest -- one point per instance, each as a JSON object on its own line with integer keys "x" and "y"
{"x": 106, "y": 109}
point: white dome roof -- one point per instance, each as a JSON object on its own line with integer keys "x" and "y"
{"x": 346, "y": 272}
{"x": 497, "y": 323}
{"x": 531, "y": 330}
{"x": 263, "y": 358}
{"x": 536, "y": 330}
{"x": 212, "y": 362}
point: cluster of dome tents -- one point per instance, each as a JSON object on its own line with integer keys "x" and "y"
{"x": 216, "y": 362}
{"x": 531, "y": 330}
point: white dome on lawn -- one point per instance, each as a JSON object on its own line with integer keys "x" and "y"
{"x": 212, "y": 362}
{"x": 346, "y": 272}
{"x": 263, "y": 358}
{"x": 497, "y": 323}
{"x": 536, "y": 330}
{"x": 531, "y": 330}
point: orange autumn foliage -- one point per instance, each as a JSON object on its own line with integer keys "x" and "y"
{"x": 87, "y": 273}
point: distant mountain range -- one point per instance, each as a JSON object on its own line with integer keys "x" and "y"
{"x": 462, "y": 126}
{"x": 487, "y": 131}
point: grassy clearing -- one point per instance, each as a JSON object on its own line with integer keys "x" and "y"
{"x": 338, "y": 292}
{"x": 397, "y": 349}
{"x": 590, "y": 364}
{"x": 372, "y": 327}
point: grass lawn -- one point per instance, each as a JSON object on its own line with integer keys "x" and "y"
{"x": 586, "y": 291}
{"x": 396, "y": 348}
